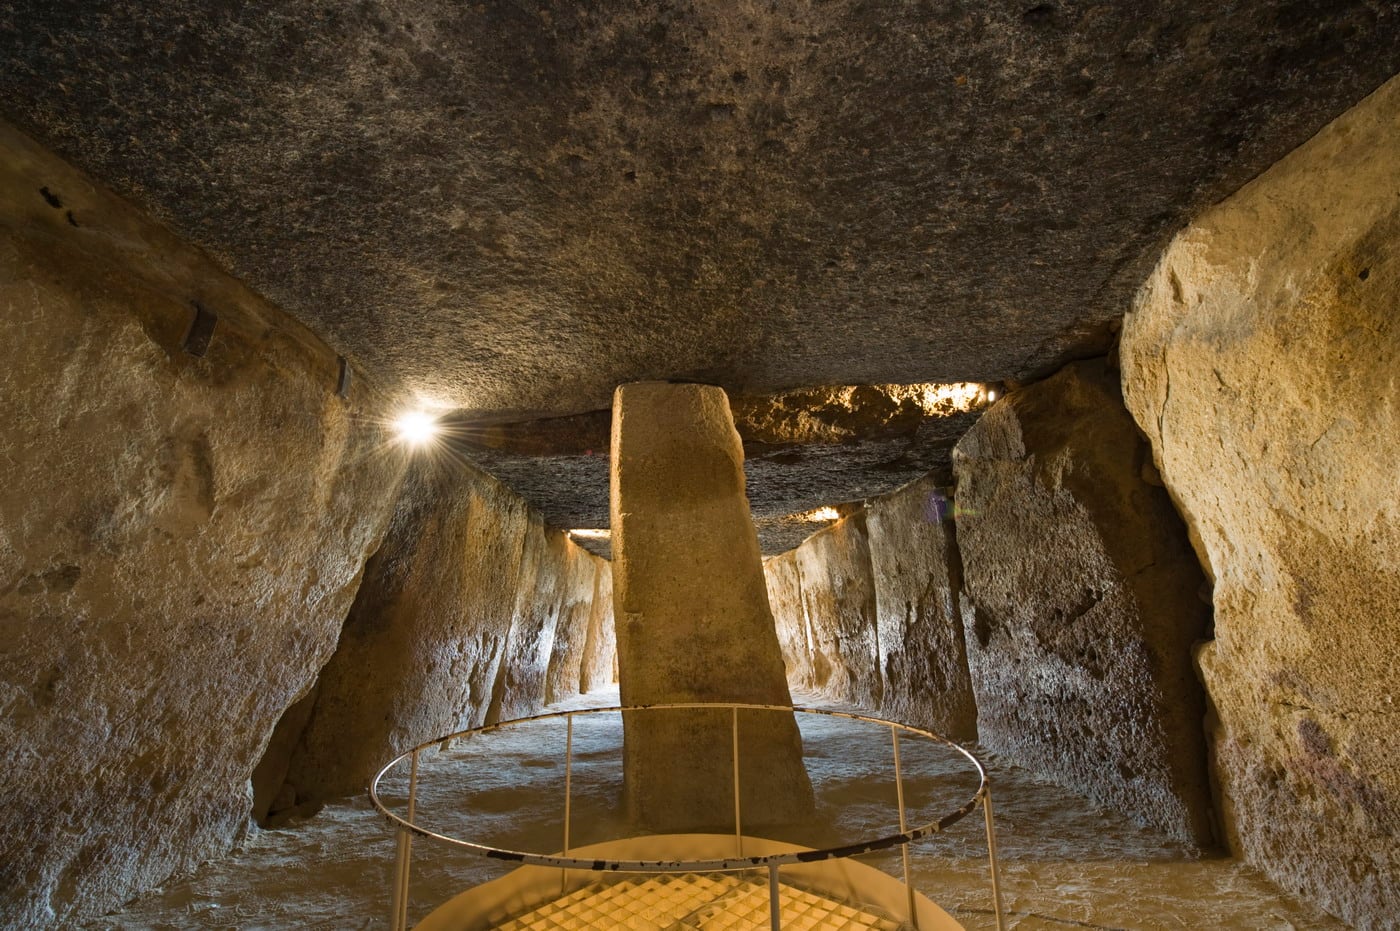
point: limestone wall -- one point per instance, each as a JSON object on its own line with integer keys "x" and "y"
{"x": 838, "y": 599}
{"x": 180, "y": 540}
{"x": 521, "y": 684}
{"x": 1261, "y": 359}
{"x": 784, "y": 581}
{"x": 565, "y": 673}
{"x": 599, "y": 664}
{"x": 1081, "y": 604}
{"x": 867, "y": 613}
{"x": 916, "y": 569}
{"x": 454, "y": 626}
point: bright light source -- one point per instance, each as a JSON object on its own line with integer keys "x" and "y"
{"x": 944, "y": 399}
{"x": 940, "y": 400}
{"x": 590, "y": 533}
{"x": 820, "y": 514}
{"x": 416, "y": 427}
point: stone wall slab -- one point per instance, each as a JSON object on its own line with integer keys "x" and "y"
{"x": 1081, "y": 604}
{"x": 1260, "y": 359}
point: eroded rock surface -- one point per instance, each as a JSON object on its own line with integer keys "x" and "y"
{"x": 1261, "y": 360}
{"x": 454, "y": 627}
{"x": 867, "y": 612}
{"x": 521, "y": 685}
{"x": 802, "y": 449}
{"x": 520, "y": 207}
{"x": 784, "y": 581}
{"x": 916, "y": 569}
{"x": 180, "y": 539}
{"x": 599, "y": 665}
{"x": 1081, "y": 604}
{"x": 838, "y": 600}
{"x": 576, "y": 605}
{"x": 693, "y": 621}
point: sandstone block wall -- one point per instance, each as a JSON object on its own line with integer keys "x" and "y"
{"x": 1261, "y": 359}
{"x": 180, "y": 540}
{"x": 543, "y": 579}
{"x": 693, "y": 622}
{"x": 867, "y": 613}
{"x": 838, "y": 599}
{"x": 565, "y": 672}
{"x": 1081, "y": 604}
{"x": 454, "y": 627}
{"x": 916, "y": 569}
{"x": 784, "y": 581}
{"x": 599, "y": 665}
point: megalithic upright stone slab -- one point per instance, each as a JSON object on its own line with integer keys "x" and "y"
{"x": 693, "y": 622}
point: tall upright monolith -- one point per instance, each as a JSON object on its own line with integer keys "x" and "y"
{"x": 693, "y": 621}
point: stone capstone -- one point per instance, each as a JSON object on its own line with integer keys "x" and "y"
{"x": 1080, "y": 603}
{"x": 802, "y": 449}
{"x": 693, "y": 621}
{"x": 519, "y": 208}
{"x": 1261, "y": 358}
{"x": 181, "y": 537}
{"x": 454, "y": 627}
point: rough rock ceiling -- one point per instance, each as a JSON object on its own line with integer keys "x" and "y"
{"x": 802, "y": 450}
{"x": 513, "y": 207}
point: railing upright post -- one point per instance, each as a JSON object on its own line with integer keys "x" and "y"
{"x": 903, "y": 827}
{"x": 400, "y": 859}
{"x": 992, "y": 857}
{"x": 568, "y": 797}
{"x": 775, "y": 904}
{"x": 405, "y": 853}
{"x": 738, "y": 826}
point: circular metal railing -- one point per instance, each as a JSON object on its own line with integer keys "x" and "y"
{"x": 407, "y": 828}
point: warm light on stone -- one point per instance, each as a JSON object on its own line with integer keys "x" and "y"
{"x": 416, "y": 428}
{"x": 944, "y": 399}
{"x": 315, "y": 331}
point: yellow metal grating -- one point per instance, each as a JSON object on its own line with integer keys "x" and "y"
{"x": 718, "y": 902}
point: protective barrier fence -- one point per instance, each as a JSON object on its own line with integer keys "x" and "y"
{"x": 406, "y": 827}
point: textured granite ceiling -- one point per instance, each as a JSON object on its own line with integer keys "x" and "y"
{"x": 513, "y": 207}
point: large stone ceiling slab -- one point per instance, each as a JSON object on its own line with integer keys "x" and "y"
{"x": 803, "y": 452}
{"x": 513, "y": 207}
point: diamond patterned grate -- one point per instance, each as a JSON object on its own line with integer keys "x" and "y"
{"x": 692, "y": 901}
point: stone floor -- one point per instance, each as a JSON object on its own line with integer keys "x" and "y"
{"x": 1066, "y": 863}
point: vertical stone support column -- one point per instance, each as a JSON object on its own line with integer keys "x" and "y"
{"x": 693, "y": 622}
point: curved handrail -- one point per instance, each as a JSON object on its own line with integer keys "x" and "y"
{"x": 906, "y": 836}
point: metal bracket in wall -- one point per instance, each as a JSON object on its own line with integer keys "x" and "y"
{"x": 201, "y": 330}
{"x": 342, "y": 384}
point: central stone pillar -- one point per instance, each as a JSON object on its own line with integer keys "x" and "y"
{"x": 693, "y": 622}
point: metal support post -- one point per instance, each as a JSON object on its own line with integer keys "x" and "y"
{"x": 903, "y": 827}
{"x": 738, "y": 825}
{"x": 568, "y": 797}
{"x": 405, "y": 853}
{"x": 775, "y": 904}
{"x": 992, "y": 857}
